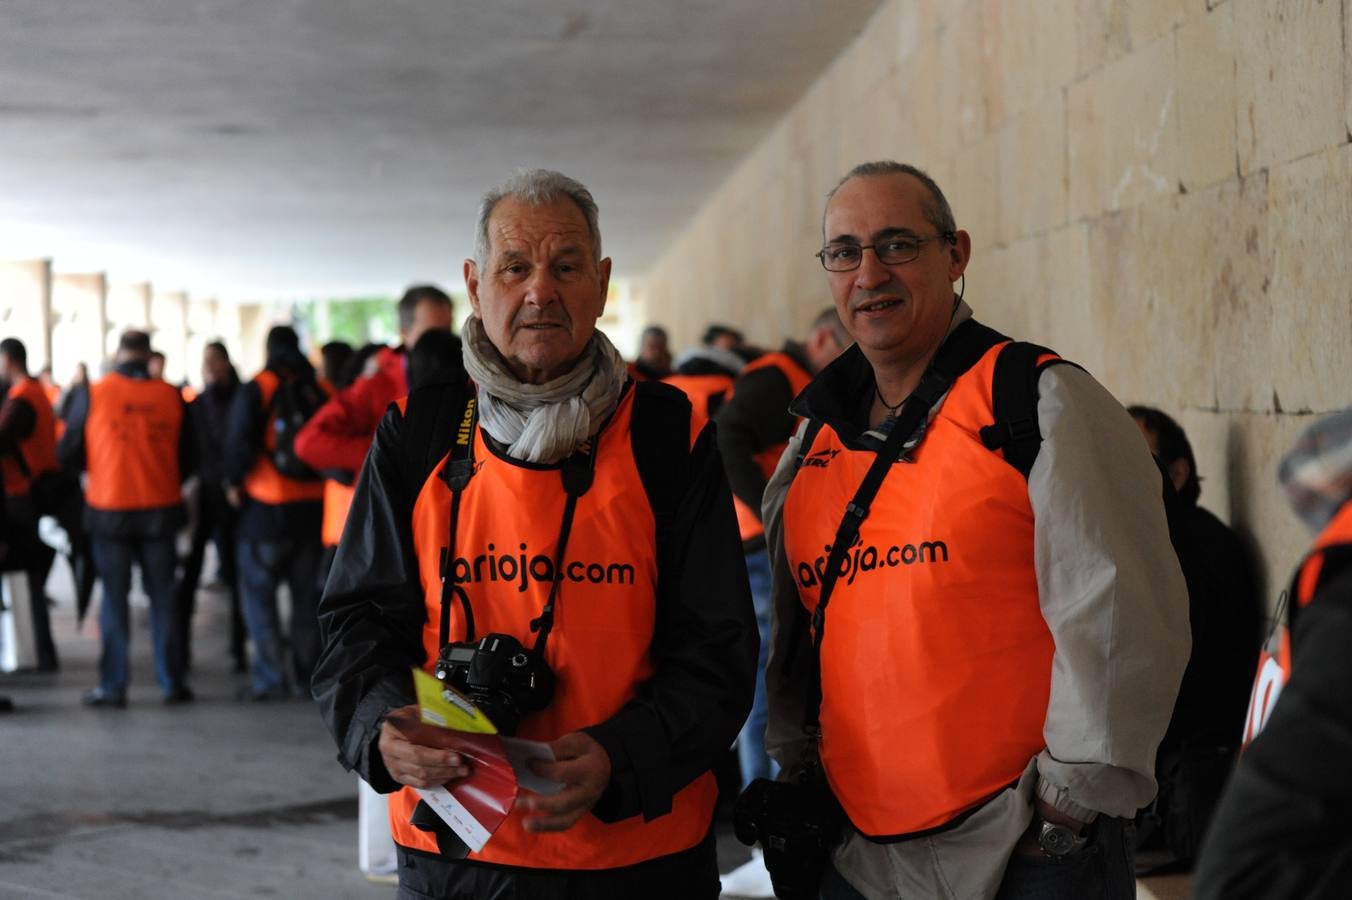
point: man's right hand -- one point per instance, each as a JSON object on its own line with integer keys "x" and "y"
{"x": 414, "y": 764}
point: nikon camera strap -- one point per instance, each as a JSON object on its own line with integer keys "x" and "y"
{"x": 963, "y": 348}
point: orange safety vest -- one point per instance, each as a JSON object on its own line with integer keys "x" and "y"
{"x": 38, "y": 450}
{"x": 605, "y": 616}
{"x": 702, "y": 390}
{"x": 264, "y": 483}
{"x": 748, "y": 519}
{"x": 1274, "y": 663}
{"x": 337, "y": 502}
{"x": 936, "y": 663}
{"x": 131, "y": 444}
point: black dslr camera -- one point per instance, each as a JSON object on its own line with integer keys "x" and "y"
{"x": 797, "y": 824}
{"x": 501, "y": 677}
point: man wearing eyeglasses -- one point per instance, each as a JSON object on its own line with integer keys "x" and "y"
{"x": 998, "y": 648}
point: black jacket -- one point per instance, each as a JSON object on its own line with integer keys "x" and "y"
{"x": 753, "y": 419}
{"x": 70, "y": 453}
{"x": 703, "y": 650}
{"x": 209, "y": 414}
{"x": 1284, "y": 826}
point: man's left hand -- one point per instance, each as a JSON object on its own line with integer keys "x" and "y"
{"x": 582, "y": 766}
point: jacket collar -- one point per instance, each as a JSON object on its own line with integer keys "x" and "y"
{"x": 841, "y": 394}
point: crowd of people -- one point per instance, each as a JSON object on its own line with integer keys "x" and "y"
{"x": 958, "y": 611}
{"x": 271, "y": 462}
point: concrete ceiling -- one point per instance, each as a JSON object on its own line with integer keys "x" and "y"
{"x": 256, "y": 149}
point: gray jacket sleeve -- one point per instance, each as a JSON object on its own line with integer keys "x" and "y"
{"x": 790, "y": 664}
{"x": 1113, "y": 595}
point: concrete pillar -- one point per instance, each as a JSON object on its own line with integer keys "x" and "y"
{"x": 80, "y": 315}
{"x": 168, "y": 313}
{"x": 26, "y": 307}
{"x": 254, "y": 321}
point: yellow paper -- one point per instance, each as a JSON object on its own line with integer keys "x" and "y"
{"x": 445, "y": 707}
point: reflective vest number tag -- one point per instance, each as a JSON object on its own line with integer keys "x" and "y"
{"x": 1266, "y": 688}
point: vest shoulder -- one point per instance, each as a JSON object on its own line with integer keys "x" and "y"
{"x": 660, "y": 396}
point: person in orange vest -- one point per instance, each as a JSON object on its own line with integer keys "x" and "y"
{"x": 998, "y": 650}
{"x": 27, "y": 453}
{"x": 705, "y": 374}
{"x": 754, "y": 427}
{"x": 552, "y": 490}
{"x": 127, "y": 433}
{"x": 334, "y": 442}
{"x": 49, "y": 386}
{"x": 280, "y": 507}
{"x": 1281, "y": 830}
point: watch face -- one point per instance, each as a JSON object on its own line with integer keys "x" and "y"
{"x": 1057, "y": 840}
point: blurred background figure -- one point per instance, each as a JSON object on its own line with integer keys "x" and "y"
{"x": 208, "y": 417}
{"x": 336, "y": 355}
{"x": 654, "y": 355}
{"x": 723, "y": 337}
{"x": 27, "y": 460}
{"x": 280, "y": 504}
{"x": 127, "y": 432}
{"x": 155, "y": 365}
{"x": 1199, "y": 749}
{"x": 705, "y": 373}
{"x": 334, "y": 442}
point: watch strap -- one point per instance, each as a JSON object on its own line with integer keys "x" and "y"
{"x": 1058, "y": 798}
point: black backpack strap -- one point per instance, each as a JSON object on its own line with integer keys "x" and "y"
{"x": 432, "y": 415}
{"x": 1014, "y": 397}
{"x": 439, "y": 418}
{"x": 660, "y": 436}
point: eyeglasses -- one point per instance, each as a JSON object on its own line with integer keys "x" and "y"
{"x": 846, "y": 256}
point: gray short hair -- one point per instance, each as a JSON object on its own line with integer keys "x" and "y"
{"x": 537, "y": 187}
{"x": 937, "y": 211}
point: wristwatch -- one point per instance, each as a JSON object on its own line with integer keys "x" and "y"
{"x": 1058, "y": 840}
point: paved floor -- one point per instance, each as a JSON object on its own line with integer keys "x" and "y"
{"x": 217, "y": 799}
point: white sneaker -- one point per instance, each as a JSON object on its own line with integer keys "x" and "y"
{"x": 749, "y": 880}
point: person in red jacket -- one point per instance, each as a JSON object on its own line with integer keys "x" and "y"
{"x": 335, "y": 440}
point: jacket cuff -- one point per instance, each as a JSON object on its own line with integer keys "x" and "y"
{"x": 637, "y": 773}
{"x": 361, "y": 751}
{"x": 1058, "y": 798}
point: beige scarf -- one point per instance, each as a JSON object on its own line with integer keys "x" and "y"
{"x": 543, "y": 423}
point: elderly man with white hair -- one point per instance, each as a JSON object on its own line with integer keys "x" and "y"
{"x": 556, "y": 518}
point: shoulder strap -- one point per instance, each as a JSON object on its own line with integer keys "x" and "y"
{"x": 660, "y": 437}
{"x": 1014, "y": 397}
{"x": 431, "y": 418}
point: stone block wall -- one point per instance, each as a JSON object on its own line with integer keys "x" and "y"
{"x": 1160, "y": 189}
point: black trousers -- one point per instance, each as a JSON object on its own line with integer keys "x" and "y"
{"x": 215, "y": 522}
{"x": 689, "y": 875}
{"x": 25, "y": 552}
